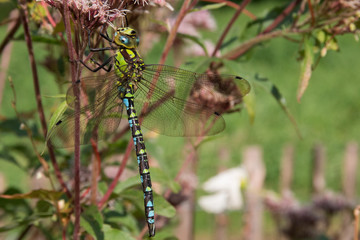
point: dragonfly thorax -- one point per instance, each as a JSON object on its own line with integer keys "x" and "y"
{"x": 128, "y": 63}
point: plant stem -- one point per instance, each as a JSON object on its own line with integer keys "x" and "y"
{"x": 40, "y": 109}
{"x": 235, "y": 53}
{"x": 282, "y": 16}
{"x": 234, "y": 5}
{"x": 11, "y": 32}
{"x": 118, "y": 174}
{"x": 71, "y": 50}
{"x": 227, "y": 29}
{"x": 171, "y": 38}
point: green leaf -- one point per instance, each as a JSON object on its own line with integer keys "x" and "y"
{"x": 274, "y": 91}
{"x": 56, "y": 96}
{"x": 119, "y": 218}
{"x": 198, "y": 64}
{"x": 306, "y": 65}
{"x": 163, "y": 207}
{"x": 194, "y": 39}
{"x": 250, "y": 105}
{"x": 43, "y": 207}
{"x": 158, "y": 175}
{"x": 91, "y": 220}
{"x": 113, "y": 233}
{"x": 321, "y": 36}
{"x": 37, "y": 194}
{"x": 39, "y": 39}
{"x": 209, "y": 7}
{"x": 128, "y": 183}
{"x": 57, "y": 114}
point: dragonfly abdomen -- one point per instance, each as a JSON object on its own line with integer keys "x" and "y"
{"x": 141, "y": 155}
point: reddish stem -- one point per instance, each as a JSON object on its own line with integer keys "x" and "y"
{"x": 264, "y": 35}
{"x": 234, "y": 5}
{"x": 40, "y": 109}
{"x": 311, "y": 13}
{"x": 71, "y": 50}
{"x": 10, "y": 34}
{"x": 171, "y": 38}
{"x": 227, "y": 29}
{"x": 48, "y": 15}
{"x": 281, "y": 17}
{"x": 95, "y": 171}
{"x": 118, "y": 174}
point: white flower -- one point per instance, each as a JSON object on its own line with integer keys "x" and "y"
{"x": 226, "y": 187}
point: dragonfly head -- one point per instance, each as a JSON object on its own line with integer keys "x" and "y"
{"x": 126, "y": 38}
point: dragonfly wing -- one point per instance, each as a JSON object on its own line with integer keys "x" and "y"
{"x": 184, "y": 103}
{"x": 171, "y": 107}
{"x": 100, "y": 113}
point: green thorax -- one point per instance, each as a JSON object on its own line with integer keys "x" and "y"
{"x": 128, "y": 62}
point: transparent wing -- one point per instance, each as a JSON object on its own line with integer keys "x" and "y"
{"x": 174, "y": 100}
{"x": 100, "y": 112}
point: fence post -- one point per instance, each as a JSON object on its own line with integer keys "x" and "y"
{"x": 221, "y": 219}
{"x": 287, "y": 162}
{"x": 349, "y": 188}
{"x": 318, "y": 177}
{"x": 253, "y": 163}
{"x": 350, "y": 170}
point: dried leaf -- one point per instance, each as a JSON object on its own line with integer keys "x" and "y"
{"x": 306, "y": 65}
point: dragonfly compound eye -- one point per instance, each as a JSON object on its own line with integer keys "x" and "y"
{"x": 137, "y": 41}
{"x": 124, "y": 40}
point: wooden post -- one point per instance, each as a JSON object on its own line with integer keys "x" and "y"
{"x": 318, "y": 179}
{"x": 253, "y": 163}
{"x": 349, "y": 189}
{"x": 221, "y": 219}
{"x": 350, "y": 170}
{"x": 286, "y": 177}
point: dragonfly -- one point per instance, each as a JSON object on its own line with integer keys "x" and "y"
{"x": 161, "y": 98}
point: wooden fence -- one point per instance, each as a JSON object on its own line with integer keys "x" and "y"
{"x": 328, "y": 215}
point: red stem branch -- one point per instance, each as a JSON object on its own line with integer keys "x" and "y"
{"x": 281, "y": 17}
{"x": 40, "y": 108}
{"x": 171, "y": 38}
{"x": 227, "y": 29}
{"x": 118, "y": 174}
{"x": 10, "y": 34}
{"x": 264, "y": 35}
{"x": 234, "y": 5}
{"x": 71, "y": 50}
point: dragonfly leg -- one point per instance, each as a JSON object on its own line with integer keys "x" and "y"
{"x": 100, "y": 66}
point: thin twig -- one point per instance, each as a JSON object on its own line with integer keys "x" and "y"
{"x": 11, "y": 32}
{"x": 40, "y": 109}
{"x": 235, "y": 53}
{"x": 227, "y": 29}
{"x": 96, "y": 166}
{"x": 268, "y": 33}
{"x": 281, "y": 16}
{"x": 234, "y": 5}
{"x": 311, "y": 13}
{"x": 118, "y": 174}
{"x": 71, "y": 50}
{"x": 40, "y": 158}
{"x": 5, "y": 52}
{"x": 171, "y": 38}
